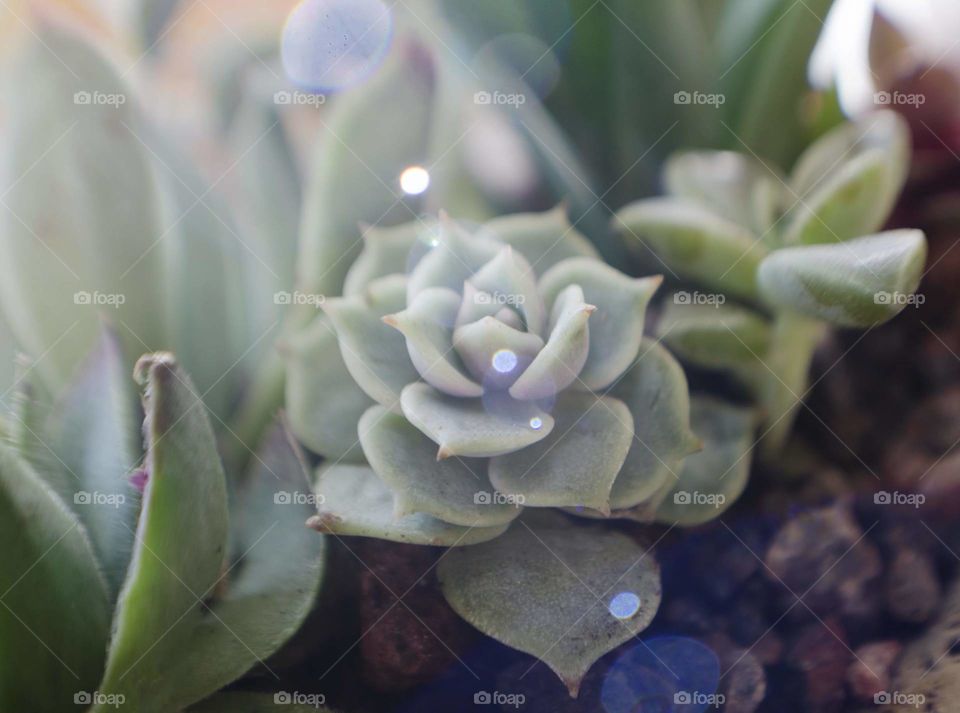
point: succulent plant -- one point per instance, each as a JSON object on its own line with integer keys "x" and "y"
{"x": 142, "y": 582}
{"x": 792, "y": 255}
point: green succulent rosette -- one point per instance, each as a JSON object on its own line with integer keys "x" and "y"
{"x": 463, "y": 376}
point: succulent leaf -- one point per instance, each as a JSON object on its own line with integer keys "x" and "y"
{"x": 712, "y": 479}
{"x": 427, "y": 324}
{"x": 578, "y": 462}
{"x": 694, "y": 242}
{"x": 493, "y": 425}
{"x": 736, "y": 187}
{"x": 495, "y": 353}
{"x": 161, "y": 601}
{"x": 389, "y": 251}
{"x": 448, "y": 489}
{"x": 715, "y": 337}
{"x": 559, "y": 363}
{"x": 354, "y": 501}
{"x": 93, "y": 432}
{"x": 509, "y": 276}
{"x": 373, "y": 352}
{"x": 544, "y": 239}
{"x": 55, "y": 618}
{"x": 616, "y": 328}
{"x": 546, "y": 587}
{"x": 859, "y": 282}
{"x": 323, "y": 401}
{"x": 655, "y": 391}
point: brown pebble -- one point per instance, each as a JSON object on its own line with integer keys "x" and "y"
{"x": 821, "y": 654}
{"x": 869, "y": 673}
{"x": 911, "y": 589}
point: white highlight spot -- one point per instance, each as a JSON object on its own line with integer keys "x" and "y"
{"x": 504, "y": 361}
{"x": 536, "y": 423}
{"x": 624, "y": 605}
{"x": 414, "y": 180}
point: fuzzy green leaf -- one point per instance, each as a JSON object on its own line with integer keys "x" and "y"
{"x": 454, "y": 490}
{"x": 427, "y": 324}
{"x": 352, "y": 500}
{"x": 93, "y": 432}
{"x": 484, "y": 427}
{"x": 561, "y": 360}
{"x": 323, "y": 401}
{"x": 616, "y": 328}
{"x": 373, "y": 352}
{"x": 715, "y": 337}
{"x": 54, "y": 602}
{"x": 655, "y": 391}
{"x": 712, "y": 479}
{"x": 730, "y": 184}
{"x": 578, "y": 462}
{"x": 694, "y": 242}
{"x": 546, "y": 586}
{"x": 859, "y": 282}
{"x": 180, "y": 543}
{"x": 544, "y": 239}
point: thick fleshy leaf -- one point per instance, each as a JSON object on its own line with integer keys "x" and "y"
{"x": 712, "y": 479}
{"x": 720, "y": 337}
{"x": 655, "y": 391}
{"x": 849, "y": 180}
{"x": 270, "y": 586}
{"x": 495, "y": 353}
{"x": 477, "y": 304}
{"x": 560, "y": 361}
{"x": 373, "y": 352}
{"x": 511, "y": 280}
{"x": 323, "y": 401}
{"x": 732, "y": 185}
{"x": 563, "y": 592}
{"x": 244, "y": 702}
{"x": 857, "y": 283}
{"x": 352, "y": 500}
{"x": 389, "y": 251}
{"x": 93, "y": 432}
{"x": 694, "y": 243}
{"x": 180, "y": 544}
{"x": 455, "y": 490}
{"x": 544, "y": 239}
{"x": 55, "y": 613}
{"x": 578, "y": 462}
{"x": 452, "y": 261}
{"x": 479, "y": 428}
{"x": 616, "y": 328}
{"x": 427, "y": 324}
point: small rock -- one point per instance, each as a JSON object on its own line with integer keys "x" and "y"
{"x": 820, "y": 652}
{"x": 869, "y": 673}
{"x": 911, "y": 589}
{"x": 743, "y": 682}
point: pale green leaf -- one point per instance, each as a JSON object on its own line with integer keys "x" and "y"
{"x": 455, "y": 490}
{"x": 495, "y": 353}
{"x": 715, "y": 336}
{"x": 546, "y": 587}
{"x": 352, "y": 500}
{"x": 479, "y": 427}
{"x": 510, "y": 279}
{"x": 389, "y": 251}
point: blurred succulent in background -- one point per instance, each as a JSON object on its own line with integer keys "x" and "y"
{"x": 147, "y": 582}
{"x": 792, "y": 255}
